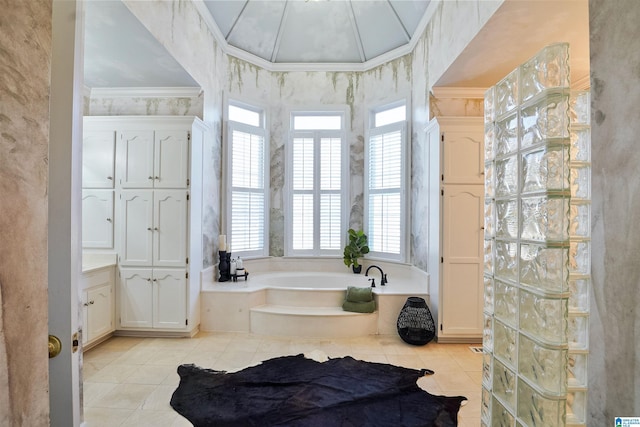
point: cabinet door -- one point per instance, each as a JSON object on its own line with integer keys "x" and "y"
{"x": 136, "y": 298}
{"x": 100, "y": 309}
{"x": 97, "y": 219}
{"x": 135, "y": 159}
{"x": 463, "y": 150}
{"x": 171, "y": 161}
{"x": 136, "y": 227}
{"x": 170, "y": 228}
{"x": 98, "y": 159}
{"x": 170, "y": 298}
{"x": 462, "y": 251}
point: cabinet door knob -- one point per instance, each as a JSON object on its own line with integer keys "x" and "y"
{"x": 86, "y": 304}
{"x": 155, "y": 228}
{"x": 149, "y": 228}
{"x": 150, "y": 177}
{"x": 157, "y": 177}
{"x": 109, "y": 219}
{"x": 91, "y": 302}
{"x": 149, "y": 279}
{"x": 110, "y": 178}
{"x": 155, "y": 280}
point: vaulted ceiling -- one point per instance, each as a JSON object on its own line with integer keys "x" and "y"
{"x": 330, "y": 35}
{"x": 317, "y": 31}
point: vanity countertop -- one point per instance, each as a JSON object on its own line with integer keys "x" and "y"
{"x": 92, "y": 262}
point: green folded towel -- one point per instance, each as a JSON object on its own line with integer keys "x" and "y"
{"x": 355, "y": 294}
{"x": 359, "y": 307}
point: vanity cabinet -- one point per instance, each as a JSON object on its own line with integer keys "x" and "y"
{"x": 456, "y": 257}
{"x": 97, "y": 298}
{"x": 153, "y": 298}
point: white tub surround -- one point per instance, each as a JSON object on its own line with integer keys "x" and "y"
{"x": 302, "y": 297}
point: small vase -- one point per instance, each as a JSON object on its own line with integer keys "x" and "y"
{"x": 356, "y": 270}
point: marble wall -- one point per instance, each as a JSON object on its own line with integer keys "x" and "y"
{"x": 614, "y": 339}
{"x": 25, "y": 40}
{"x": 145, "y": 106}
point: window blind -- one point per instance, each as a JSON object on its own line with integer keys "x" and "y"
{"x": 384, "y": 181}
{"x": 247, "y": 189}
{"x": 317, "y": 193}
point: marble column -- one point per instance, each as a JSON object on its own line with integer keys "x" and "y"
{"x": 25, "y": 52}
{"x": 614, "y": 341}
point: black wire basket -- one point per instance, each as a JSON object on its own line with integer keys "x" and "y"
{"x": 415, "y": 322}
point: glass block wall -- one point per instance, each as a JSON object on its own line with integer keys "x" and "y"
{"x": 536, "y": 247}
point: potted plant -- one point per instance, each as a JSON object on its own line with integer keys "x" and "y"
{"x": 356, "y": 248}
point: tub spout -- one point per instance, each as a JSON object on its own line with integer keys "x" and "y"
{"x": 383, "y": 276}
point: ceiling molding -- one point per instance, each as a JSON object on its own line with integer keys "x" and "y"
{"x": 458, "y": 92}
{"x": 146, "y": 92}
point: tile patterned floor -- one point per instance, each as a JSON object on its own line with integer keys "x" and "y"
{"x": 129, "y": 381}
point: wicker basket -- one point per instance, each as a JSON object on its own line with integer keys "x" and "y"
{"x": 415, "y": 322}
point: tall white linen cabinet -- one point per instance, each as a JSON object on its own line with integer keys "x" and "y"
{"x": 145, "y": 203}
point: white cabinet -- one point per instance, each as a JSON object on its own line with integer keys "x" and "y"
{"x": 153, "y": 298}
{"x": 153, "y": 159}
{"x": 97, "y": 297}
{"x": 462, "y": 266}
{"x": 98, "y": 158}
{"x": 153, "y": 228}
{"x": 456, "y": 152}
{"x": 97, "y": 218}
{"x": 157, "y": 226}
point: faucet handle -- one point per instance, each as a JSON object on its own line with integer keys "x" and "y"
{"x": 373, "y": 282}
{"x": 384, "y": 279}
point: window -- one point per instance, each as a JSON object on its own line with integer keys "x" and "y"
{"x": 316, "y": 175}
{"x": 247, "y": 196}
{"x": 385, "y": 183}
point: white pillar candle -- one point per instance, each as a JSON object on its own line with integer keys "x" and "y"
{"x": 222, "y": 242}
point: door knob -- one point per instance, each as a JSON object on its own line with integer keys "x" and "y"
{"x": 55, "y": 346}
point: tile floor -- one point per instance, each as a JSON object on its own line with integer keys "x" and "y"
{"x": 129, "y": 381}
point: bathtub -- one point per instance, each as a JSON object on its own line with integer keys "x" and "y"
{"x": 308, "y": 303}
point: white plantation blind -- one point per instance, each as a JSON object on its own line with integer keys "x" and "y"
{"x": 385, "y": 181}
{"x": 317, "y": 199}
{"x": 247, "y": 190}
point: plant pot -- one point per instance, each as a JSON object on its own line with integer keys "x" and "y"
{"x": 356, "y": 270}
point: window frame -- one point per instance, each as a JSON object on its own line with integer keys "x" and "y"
{"x": 317, "y": 135}
{"x": 227, "y": 171}
{"x": 405, "y": 227}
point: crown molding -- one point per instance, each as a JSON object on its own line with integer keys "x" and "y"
{"x": 145, "y": 92}
{"x": 458, "y": 92}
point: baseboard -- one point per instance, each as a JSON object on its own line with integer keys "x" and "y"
{"x": 158, "y": 334}
{"x": 459, "y": 340}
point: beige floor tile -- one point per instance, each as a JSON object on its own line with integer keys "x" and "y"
{"x": 150, "y": 374}
{"x": 105, "y": 417}
{"x": 113, "y": 373}
{"x": 458, "y": 380}
{"x": 150, "y": 418}
{"x": 112, "y": 370}
{"x": 158, "y": 399}
{"x": 93, "y": 391}
{"x": 407, "y": 361}
{"x": 125, "y": 396}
